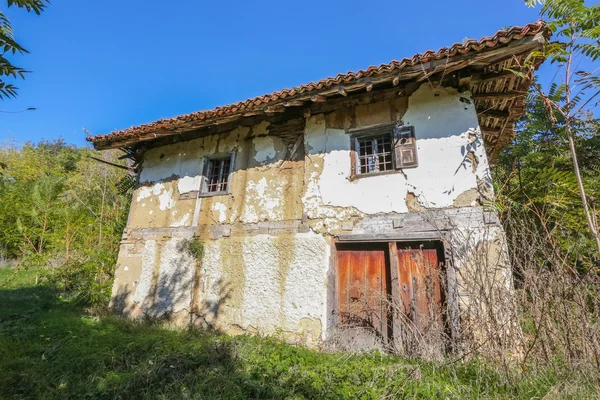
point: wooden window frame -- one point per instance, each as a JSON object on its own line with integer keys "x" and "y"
{"x": 206, "y": 170}
{"x": 396, "y": 133}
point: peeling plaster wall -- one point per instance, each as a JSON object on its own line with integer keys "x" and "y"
{"x": 447, "y": 130}
{"x": 267, "y": 243}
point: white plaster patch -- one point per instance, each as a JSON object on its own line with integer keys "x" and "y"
{"x": 444, "y": 174}
{"x": 267, "y": 199}
{"x": 165, "y": 199}
{"x": 441, "y": 112}
{"x": 146, "y": 191}
{"x": 261, "y": 307}
{"x": 211, "y": 292}
{"x": 157, "y": 168}
{"x": 142, "y": 292}
{"x": 222, "y": 209}
{"x": 275, "y": 295}
{"x": 188, "y": 184}
{"x": 174, "y": 284}
{"x": 183, "y": 221}
{"x": 265, "y": 149}
{"x": 308, "y": 270}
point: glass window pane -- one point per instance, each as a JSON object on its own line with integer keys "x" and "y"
{"x": 375, "y": 153}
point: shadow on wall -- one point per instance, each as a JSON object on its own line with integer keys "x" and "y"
{"x": 173, "y": 293}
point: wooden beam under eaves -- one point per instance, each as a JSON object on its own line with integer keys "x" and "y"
{"x": 493, "y": 113}
{"x": 252, "y": 113}
{"x": 498, "y": 95}
{"x": 275, "y": 109}
{"x": 293, "y": 103}
{"x": 491, "y": 131}
{"x": 112, "y": 164}
{"x": 317, "y": 98}
{"x": 494, "y": 77}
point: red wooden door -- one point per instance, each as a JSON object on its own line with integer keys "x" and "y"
{"x": 420, "y": 289}
{"x": 362, "y": 296}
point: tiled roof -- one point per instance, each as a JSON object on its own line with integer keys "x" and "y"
{"x": 261, "y": 102}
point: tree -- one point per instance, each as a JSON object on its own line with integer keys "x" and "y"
{"x": 577, "y": 28}
{"x": 535, "y": 174}
{"x": 8, "y": 46}
{"x": 63, "y": 212}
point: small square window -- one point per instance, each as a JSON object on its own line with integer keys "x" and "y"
{"x": 384, "y": 149}
{"x": 217, "y": 174}
{"x": 374, "y": 153}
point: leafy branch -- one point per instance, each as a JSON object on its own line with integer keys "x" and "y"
{"x": 9, "y": 46}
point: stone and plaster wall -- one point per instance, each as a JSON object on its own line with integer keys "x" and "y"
{"x": 267, "y": 245}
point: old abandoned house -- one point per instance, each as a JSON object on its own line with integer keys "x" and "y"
{"x": 312, "y": 208}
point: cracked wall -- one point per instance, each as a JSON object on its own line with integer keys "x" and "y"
{"x": 267, "y": 243}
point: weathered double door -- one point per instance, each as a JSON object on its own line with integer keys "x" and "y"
{"x": 388, "y": 294}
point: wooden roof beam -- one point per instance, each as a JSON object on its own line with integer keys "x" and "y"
{"x": 493, "y": 113}
{"x": 497, "y": 76}
{"x": 293, "y": 103}
{"x": 275, "y": 109}
{"x": 491, "y": 131}
{"x": 498, "y": 95}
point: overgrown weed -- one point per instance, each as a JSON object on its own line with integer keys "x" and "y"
{"x": 54, "y": 348}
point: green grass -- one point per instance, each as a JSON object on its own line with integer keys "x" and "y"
{"x": 53, "y": 349}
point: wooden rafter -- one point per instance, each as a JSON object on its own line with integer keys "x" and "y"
{"x": 498, "y": 95}
{"x": 493, "y": 113}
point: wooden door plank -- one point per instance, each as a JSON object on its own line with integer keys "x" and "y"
{"x": 419, "y": 281}
{"x": 375, "y": 286}
{"x": 362, "y": 293}
{"x": 435, "y": 297}
{"x": 420, "y": 289}
{"x": 405, "y": 282}
{"x": 343, "y": 278}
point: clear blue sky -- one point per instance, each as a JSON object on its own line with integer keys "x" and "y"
{"x": 110, "y": 64}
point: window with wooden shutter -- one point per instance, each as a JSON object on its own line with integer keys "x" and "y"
{"x": 383, "y": 150}
{"x": 405, "y": 147}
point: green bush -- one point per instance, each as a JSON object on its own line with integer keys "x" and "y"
{"x": 63, "y": 214}
{"x": 195, "y": 247}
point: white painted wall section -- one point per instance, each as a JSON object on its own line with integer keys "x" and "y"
{"x": 445, "y": 124}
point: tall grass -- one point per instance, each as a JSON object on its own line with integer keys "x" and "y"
{"x": 54, "y": 348}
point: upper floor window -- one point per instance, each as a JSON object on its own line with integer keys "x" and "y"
{"x": 384, "y": 149}
{"x": 374, "y": 153}
{"x": 217, "y": 174}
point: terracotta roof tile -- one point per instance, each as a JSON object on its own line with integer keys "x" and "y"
{"x": 471, "y": 45}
